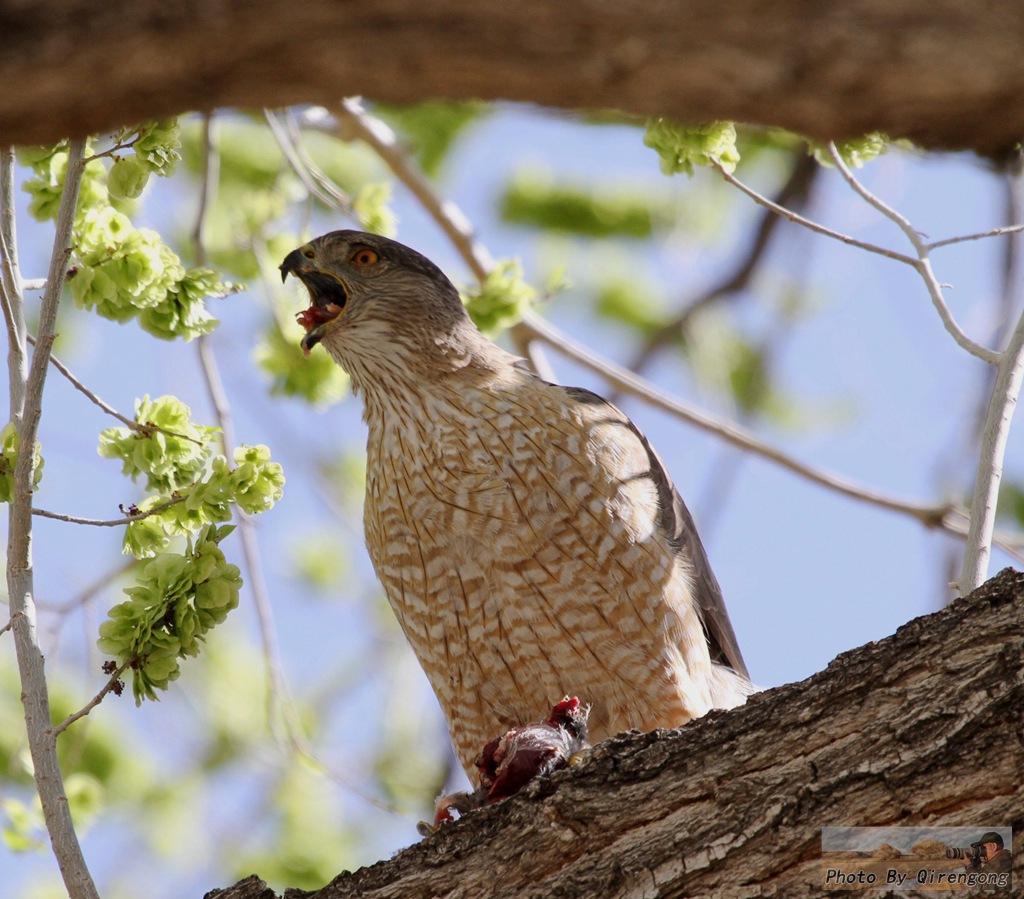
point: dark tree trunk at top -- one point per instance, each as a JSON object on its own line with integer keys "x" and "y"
{"x": 924, "y": 727}
{"x": 943, "y": 72}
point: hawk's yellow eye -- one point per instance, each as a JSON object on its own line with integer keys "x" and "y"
{"x": 364, "y": 256}
{"x": 308, "y": 253}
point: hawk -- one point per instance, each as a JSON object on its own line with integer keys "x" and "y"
{"x": 527, "y": 535}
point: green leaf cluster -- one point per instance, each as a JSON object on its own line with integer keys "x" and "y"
{"x": 166, "y": 448}
{"x": 501, "y": 300}
{"x": 534, "y": 199}
{"x": 316, "y": 379}
{"x": 189, "y": 486}
{"x": 120, "y": 271}
{"x": 681, "y": 147}
{"x": 10, "y": 441}
{"x": 371, "y": 204}
{"x": 855, "y": 152}
{"x": 175, "y": 602}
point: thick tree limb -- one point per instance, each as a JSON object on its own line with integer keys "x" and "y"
{"x": 924, "y": 727}
{"x": 941, "y": 72}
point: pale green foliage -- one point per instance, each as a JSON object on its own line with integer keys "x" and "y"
{"x": 633, "y": 302}
{"x": 681, "y": 147}
{"x": 176, "y": 601}
{"x": 855, "y": 152}
{"x": 254, "y": 484}
{"x": 127, "y": 178}
{"x": 23, "y": 829}
{"x": 176, "y": 459}
{"x": 119, "y": 271}
{"x": 257, "y": 189}
{"x": 535, "y": 197}
{"x": 316, "y": 378}
{"x": 166, "y": 448}
{"x": 371, "y": 207}
{"x": 10, "y": 441}
{"x": 502, "y": 298}
{"x": 156, "y": 145}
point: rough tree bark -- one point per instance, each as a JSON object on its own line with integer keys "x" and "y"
{"x": 924, "y": 727}
{"x": 942, "y": 72}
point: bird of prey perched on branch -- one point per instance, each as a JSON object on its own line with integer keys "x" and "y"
{"x": 527, "y": 535}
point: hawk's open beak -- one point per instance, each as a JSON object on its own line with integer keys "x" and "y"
{"x": 327, "y": 293}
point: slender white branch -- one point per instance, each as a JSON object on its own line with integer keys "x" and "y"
{"x": 994, "y": 437}
{"x": 794, "y": 217}
{"x": 995, "y": 232}
{"x": 41, "y": 738}
{"x": 922, "y": 264}
{"x": 11, "y": 296}
{"x": 1002, "y": 401}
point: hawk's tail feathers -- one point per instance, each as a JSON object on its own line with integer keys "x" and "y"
{"x": 728, "y": 688}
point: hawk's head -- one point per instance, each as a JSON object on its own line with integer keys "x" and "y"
{"x": 384, "y": 294}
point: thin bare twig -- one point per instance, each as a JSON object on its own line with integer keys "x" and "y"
{"x": 111, "y": 684}
{"x": 316, "y": 182}
{"x": 20, "y": 581}
{"x": 5, "y": 628}
{"x": 995, "y": 232}
{"x": 809, "y": 224}
{"x": 922, "y": 264}
{"x": 1002, "y": 400}
{"x": 142, "y": 428}
{"x": 112, "y": 522}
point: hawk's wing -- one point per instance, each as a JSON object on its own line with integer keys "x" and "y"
{"x": 676, "y": 523}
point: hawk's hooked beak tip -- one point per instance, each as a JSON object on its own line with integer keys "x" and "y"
{"x": 291, "y": 262}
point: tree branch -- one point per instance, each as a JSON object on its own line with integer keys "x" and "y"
{"x": 994, "y": 438}
{"x": 13, "y": 301}
{"x": 732, "y": 805}
{"x": 931, "y": 70}
{"x": 41, "y": 737}
{"x": 354, "y": 123}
